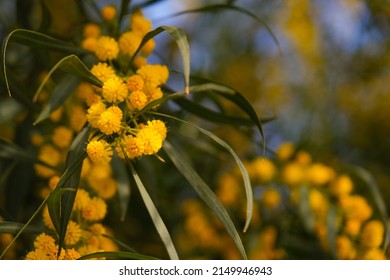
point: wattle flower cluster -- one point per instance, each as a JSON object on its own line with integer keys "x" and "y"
{"x": 129, "y": 85}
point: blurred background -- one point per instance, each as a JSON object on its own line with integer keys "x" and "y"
{"x": 319, "y": 69}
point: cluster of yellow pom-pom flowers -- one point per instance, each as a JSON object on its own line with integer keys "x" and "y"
{"x": 124, "y": 93}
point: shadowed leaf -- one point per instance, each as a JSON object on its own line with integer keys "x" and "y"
{"x": 117, "y": 255}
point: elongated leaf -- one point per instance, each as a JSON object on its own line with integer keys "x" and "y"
{"x": 156, "y": 218}
{"x": 35, "y": 39}
{"x": 46, "y": 17}
{"x": 216, "y": 7}
{"x": 239, "y": 100}
{"x": 13, "y": 228}
{"x": 304, "y": 210}
{"x": 62, "y": 91}
{"x": 123, "y": 183}
{"x": 245, "y": 176}
{"x": 331, "y": 230}
{"x": 180, "y": 38}
{"x": 61, "y": 200}
{"x": 13, "y": 151}
{"x": 123, "y": 9}
{"x": 72, "y": 65}
{"x": 205, "y": 193}
{"x": 117, "y": 255}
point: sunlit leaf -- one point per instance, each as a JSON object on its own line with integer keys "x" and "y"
{"x": 180, "y": 38}
{"x": 118, "y": 255}
{"x": 156, "y": 218}
{"x": 205, "y": 193}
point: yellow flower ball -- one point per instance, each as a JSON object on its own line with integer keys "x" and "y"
{"x": 285, "y": 151}
{"x": 91, "y": 30}
{"x": 135, "y": 82}
{"x": 73, "y": 233}
{"x": 271, "y": 198}
{"x": 114, "y": 90}
{"x": 303, "y": 158}
{"x": 108, "y": 12}
{"x": 90, "y": 44}
{"x": 151, "y": 139}
{"x": 62, "y": 136}
{"x": 159, "y": 126}
{"x": 77, "y": 118}
{"x": 133, "y": 147}
{"x": 345, "y": 248}
{"x": 228, "y": 189}
{"x": 352, "y": 227}
{"x": 103, "y": 71}
{"x": 148, "y": 48}
{"x": 319, "y": 174}
{"x": 341, "y": 186}
{"x": 99, "y": 151}
{"x": 356, "y": 207}
{"x": 107, "y": 48}
{"x": 154, "y": 74}
{"x": 95, "y": 210}
{"x": 140, "y": 24}
{"x": 110, "y": 120}
{"x": 94, "y": 112}
{"x": 293, "y": 174}
{"x": 129, "y": 42}
{"x": 263, "y": 170}
{"x": 71, "y": 254}
{"x": 137, "y": 100}
{"x": 372, "y": 234}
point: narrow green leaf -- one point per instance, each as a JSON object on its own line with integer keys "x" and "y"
{"x": 123, "y": 182}
{"x": 244, "y": 172}
{"x": 205, "y": 193}
{"x": 118, "y": 255}
{"x": 45, "y": 16}
{"x": 331, "y": 230}
{"x": 156, "y": 218}
{"x": 179, "y": 36}
{"x": 38, "y": 40}
{"x": 62, "y": 91}
{"x": 72, "y": 65}
{"x": 13, "y": 151}
{"x": 13, "y": 228}
{"x": 61, "y": 200}
{"x": 123, "y": 10}
{"x": 304, "y": 210}
{"x": 216, "y": 7}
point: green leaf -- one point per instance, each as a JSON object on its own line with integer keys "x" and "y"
{"x": 62, "y": 91}
{"x": 245, "y": 176}
{"x": 304, "y": 210}
{"x": 205, "y": 193}
{"x": 61, "y": 200}
{"x": 13, "y": 151}
{"x": 180, "y": 38}
{"x": 216, "y": 7}
{"x": 156, "y": 218}
{"x": 123, "y": 182}
{"x": 72, "y": 65}
{"x": 46, "y": 17}
{"x": 331, "y": 230}
{"x": 38, "y": 40}
{"x": 123, "y": 10}
{"x": 116, "y": 255}
{"x": 13, "y": 228}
